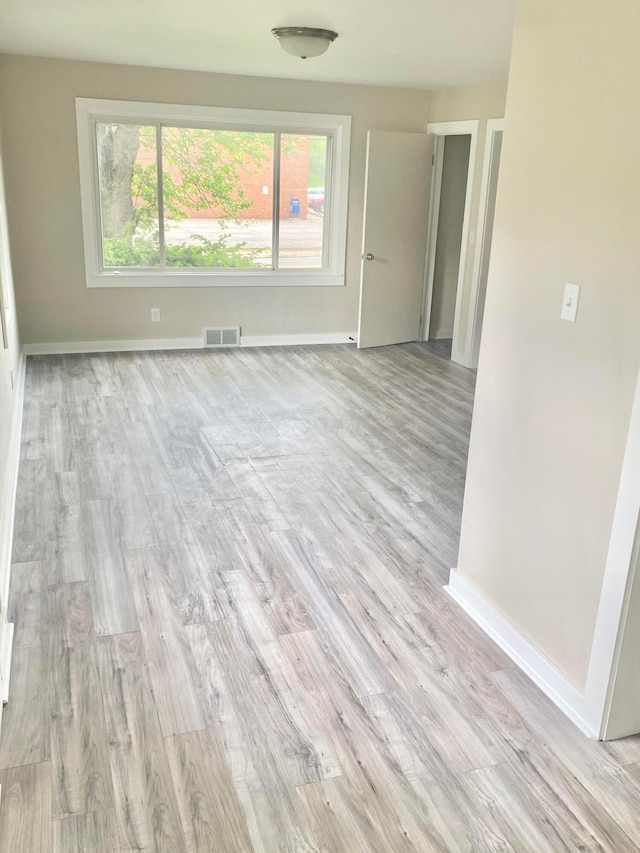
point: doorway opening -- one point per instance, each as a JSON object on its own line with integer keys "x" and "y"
{"x": 454, "y": 154}
{"x": 453, "y": 168}
{"x": 420, "y": 278}
{"x": 456, "y": 273}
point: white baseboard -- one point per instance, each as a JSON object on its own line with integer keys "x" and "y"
{"x": 6, "y": 650}
{"x": 7, "y": 515}
{"x": 445, "y": 335}
{"x": 113, "y": 346}
{"x": 298, "y": 340}
{"x": 185, "y": 343}
{"x": 530, "y": 660}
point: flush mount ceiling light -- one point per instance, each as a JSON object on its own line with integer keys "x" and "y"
{"x": 304, "y": 41}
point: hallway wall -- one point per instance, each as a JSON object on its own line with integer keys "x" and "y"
{"x": 553, "y": 398}
{"x": 447, "y": 262}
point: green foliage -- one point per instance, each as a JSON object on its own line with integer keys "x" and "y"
{"x": 129, "y": 250}
{"x": 317, "y": 161}
{"x": 202, "y": 169}
{"x": 210, "y": 253}
{"x": 124, "y": 251}
{"x": 144, "y": 185}
{"x": 315, "y": 146}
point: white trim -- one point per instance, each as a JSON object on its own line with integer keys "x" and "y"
{"x": 442, "y": 335}
{"x": 6, "y": 655}
{"x": 453, "y": 128}
{"x": 607, "y": 731}
{"x": 8, "y": 498}
{"x": 298, "y": 340}
{"x": 337, "y": 127}
{"x": 539, "y": 669}
{"x": 68, "y": 347}
{"x": 145, "y": 344}
{"x": 250, "y": 278}
{"x": 617, "y": 583}
{"x": 226, "y": 117}
{"x": 494, "y": 126}
{"x": 7, "y": 517}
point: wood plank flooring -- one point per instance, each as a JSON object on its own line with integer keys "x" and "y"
{"x": 231, "y": 633}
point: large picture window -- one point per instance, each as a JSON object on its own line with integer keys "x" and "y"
{"x": 194, "y": 196}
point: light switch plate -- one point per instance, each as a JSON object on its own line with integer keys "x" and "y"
{"x": 570, "y": 302}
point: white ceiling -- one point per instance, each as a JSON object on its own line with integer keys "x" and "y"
{"x": 415, "y": 43}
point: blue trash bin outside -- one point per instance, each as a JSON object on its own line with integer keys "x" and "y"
{"x": 294, "y": 207}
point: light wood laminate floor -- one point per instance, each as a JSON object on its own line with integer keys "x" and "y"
{"x": 231, "y": 633}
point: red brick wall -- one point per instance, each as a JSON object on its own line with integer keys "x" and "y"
{"x": 294, "y": 176}
{"x": 294, "y": 180}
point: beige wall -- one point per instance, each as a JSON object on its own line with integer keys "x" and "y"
{"x": 37, "y": 97}
{"x": 455, "y": 169}
{"x": 553, "y": 399}
{"x": 466, "y": 103}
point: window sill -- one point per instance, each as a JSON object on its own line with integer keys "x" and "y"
{"x": 199, "y": 279}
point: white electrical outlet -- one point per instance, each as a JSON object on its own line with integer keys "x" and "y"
{"x": 155, "y": 315}
{"x": 570, "y": 302}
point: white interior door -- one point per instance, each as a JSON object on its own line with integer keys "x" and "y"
{"x": 396, "y": 210}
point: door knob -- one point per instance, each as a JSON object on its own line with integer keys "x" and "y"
{"x": 369, "y": 257}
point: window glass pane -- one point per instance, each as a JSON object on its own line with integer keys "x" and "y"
{"x": 218, "y": 197}
{"x": 303, "y": 169}
{"x": 128, "y": 182}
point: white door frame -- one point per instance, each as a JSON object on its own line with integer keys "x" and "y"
{"x": 5, "y": 268}
{"x": 494, "y": 126}
{"x": 440, "y": 130}
{"x": 619, "y": 574}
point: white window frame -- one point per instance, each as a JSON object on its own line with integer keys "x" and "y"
{"x": 336, "y": 127}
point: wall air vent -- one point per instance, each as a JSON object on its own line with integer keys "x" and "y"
{"x": 221, "y": 337}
